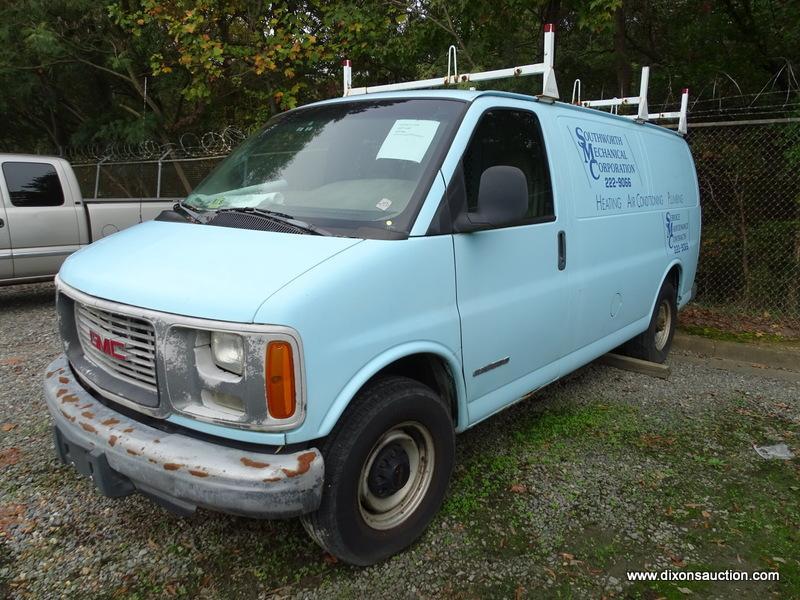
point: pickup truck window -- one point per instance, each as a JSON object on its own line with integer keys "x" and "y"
{"x": 353, "y": 168}
{"x": 33, "y": 184}
{"x": 512, "y": 138}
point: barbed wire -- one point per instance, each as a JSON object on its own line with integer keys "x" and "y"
{"x": 222, "y": 142}
{"x": 189, "y": 145}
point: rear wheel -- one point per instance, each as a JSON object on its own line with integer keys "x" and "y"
{"x": 387, "y": 466}
{"x": 654, "y": 343}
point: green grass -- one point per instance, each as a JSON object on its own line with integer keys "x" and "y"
{"x": 713, "y": 333}
{"x": 545, "y": 438}
{"x": 739, "y": 512}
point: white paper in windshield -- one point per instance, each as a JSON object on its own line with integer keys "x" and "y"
{"x": 408, "y": 139}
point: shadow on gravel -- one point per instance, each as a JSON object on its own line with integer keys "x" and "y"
{"x": 27, "y": 296}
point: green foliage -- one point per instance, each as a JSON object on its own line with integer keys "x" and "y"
{"x": 74, "y": 71}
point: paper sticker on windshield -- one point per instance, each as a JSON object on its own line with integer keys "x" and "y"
{"x": 408, "y": 139}
{"x": 384, "y": 204}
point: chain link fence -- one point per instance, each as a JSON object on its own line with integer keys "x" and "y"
{"x": 163, "y": 178}
{"x": 749, "y": 174}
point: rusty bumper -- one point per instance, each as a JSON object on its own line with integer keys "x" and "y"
{"x": 122, "y": 455}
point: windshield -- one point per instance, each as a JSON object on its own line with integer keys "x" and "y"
{"x": 357, "y": 168}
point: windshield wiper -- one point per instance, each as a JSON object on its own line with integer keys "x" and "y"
{"x": 280, "y": 217}
{"x": 189, "y": 211}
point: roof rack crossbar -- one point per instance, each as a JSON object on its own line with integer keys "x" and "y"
{"x": 545, "y": 68}
{"x": 642, "y": 114}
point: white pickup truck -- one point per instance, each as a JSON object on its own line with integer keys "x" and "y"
{"x": 43, "y": 217}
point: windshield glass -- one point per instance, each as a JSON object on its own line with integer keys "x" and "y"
{"x": 356, "y": 168}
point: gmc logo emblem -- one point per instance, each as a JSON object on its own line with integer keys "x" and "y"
{"x": 107, "y": 346}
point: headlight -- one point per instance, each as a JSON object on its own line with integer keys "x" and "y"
{"x": 227, "y": 350}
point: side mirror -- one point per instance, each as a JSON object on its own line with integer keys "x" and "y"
{"x": 502, "y": 199}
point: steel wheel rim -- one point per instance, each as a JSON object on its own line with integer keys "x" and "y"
{"x": 389, "y": 512}
{"x": 663, "y": 324}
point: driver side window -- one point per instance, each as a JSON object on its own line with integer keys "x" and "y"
{"x": 511, "y": 138}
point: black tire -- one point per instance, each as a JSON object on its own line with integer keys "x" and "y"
{"x": 385, "y": 415}
{"x": 654, "y": 343}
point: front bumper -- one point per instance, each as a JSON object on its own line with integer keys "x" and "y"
{"x": 122, "y": 455}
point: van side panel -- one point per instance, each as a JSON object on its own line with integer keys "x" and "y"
{"x": 631, "y": 184}
{"x": 672, "y": 169}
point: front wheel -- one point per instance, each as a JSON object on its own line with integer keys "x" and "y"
{"x": 654, "y": 343}
{"x": 387, "y": 466}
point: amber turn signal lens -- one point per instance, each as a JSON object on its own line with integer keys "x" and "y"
{"x": 280, "y": 380}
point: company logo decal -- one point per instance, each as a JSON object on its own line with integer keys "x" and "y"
{"x": 604, "y": 154}
{"x": 676, "y": 227}
{"x": 107, "y": 345}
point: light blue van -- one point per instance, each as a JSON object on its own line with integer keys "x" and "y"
{"x": 359, "y": 281}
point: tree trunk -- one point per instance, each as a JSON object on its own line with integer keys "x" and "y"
{"x": 623, "y": 65}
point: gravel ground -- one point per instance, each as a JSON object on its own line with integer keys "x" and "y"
{"x": 559, "y": 496}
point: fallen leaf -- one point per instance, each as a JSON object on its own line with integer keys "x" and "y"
{"x": 519, "y": 592}
{"x": 10, "y": 514}
{"x": 692, "y": 505}
{"x": 330, "y": 559}
{"x": 8, "y": 427}
{"x": 9, "y": 456}
{"x": 706, "y": 514}
{"x": 567, "y": 556}
{"x": 11, "y": 362}
{"x": 518, "y": 488}
{"x": 677, "y": 561}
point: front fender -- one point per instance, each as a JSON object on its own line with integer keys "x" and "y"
{"x": 383, "y": 360}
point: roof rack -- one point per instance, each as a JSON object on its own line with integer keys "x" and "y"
{"x": 642, "y": 114}
{"x": 549, "y": 87}
{"x": 453, "y": 77}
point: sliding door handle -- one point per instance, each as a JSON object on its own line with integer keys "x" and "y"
{"x": 562, "y": 250}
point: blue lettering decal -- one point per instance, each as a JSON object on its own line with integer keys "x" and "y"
{"x": 588, "y": 153}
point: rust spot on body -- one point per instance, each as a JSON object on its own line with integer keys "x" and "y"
{"x": 61, "y": 392}
{"x": 249, "y": 462}
{"x": 156, "y": 441}
{"x": 271, "y": 479}
{"x": 63, "y": 380}
{"x": 68, "y": 417}
{"x": 133, "y": 452}
{"x": 88, "y": 427}
{"x": 172, "y": 466}
{"x": 128, "y": 430}
{"x": 198, "y": 473}
{"x": 110, "y": 422}
{"x": 112, "y": 440}
{"x": 85, "y": 406}
{"x": 88, "y": 414}
{"x": 50, "y": 374}
{"x": 155, "y": 462}
{"x": 70, "y": 398}
{"x": 303, "y": 464}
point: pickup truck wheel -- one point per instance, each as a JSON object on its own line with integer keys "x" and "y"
{"x": 654, "y": 344}
{"x": 387, "y": 466}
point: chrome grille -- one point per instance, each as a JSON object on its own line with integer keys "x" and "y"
{"x": 136, "y": 358}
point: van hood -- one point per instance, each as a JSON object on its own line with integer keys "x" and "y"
{"x": 196, "y": 270}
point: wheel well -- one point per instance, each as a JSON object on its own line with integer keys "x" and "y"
{"x": 674, "y": 276}
{"x": 428, "y": 369}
